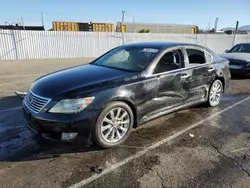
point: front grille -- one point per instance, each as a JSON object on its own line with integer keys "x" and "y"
{"x": 35, "y": 103}
{"x": 237, "y": 62}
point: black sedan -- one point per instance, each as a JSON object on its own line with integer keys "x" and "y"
{"x": 239, "y": 59}
{"x": 122, "y": 89}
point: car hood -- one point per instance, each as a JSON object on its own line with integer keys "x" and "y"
{"x": 70, "y": 82}
{"x": 237, "y": 56}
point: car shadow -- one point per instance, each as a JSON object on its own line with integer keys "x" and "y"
{"x": 226, "y": 97}
{"x": 33, "y": 148}
{"x": 54, "y": 149}
{"x": 202, "y": 105}
{"x": 10, "y": 102}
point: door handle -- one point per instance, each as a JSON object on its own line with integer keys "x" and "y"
{"x": 159, "y": 76}
{"x": 210, "y": 69}
{"x": 183, "y": 76}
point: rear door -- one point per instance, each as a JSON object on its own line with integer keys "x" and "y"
{"x": 173, "y": 81}
{"x": 201, "y": 71}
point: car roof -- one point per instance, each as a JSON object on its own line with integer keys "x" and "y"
{"x": 242, "y": 43}
{"x": 159, "y": 44}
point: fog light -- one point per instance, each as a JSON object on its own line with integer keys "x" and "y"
{"x": 68, "y": 136}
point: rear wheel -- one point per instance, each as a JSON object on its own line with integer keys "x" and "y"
{"x": 215, "y": 92}
{"x": 113, "y": 125}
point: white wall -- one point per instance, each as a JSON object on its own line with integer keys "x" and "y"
{"x": 66, "y": 44}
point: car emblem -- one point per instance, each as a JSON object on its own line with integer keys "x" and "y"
{"x": 30, "y": 100}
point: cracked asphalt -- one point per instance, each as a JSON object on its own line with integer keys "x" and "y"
{"x": 215, "y": 153}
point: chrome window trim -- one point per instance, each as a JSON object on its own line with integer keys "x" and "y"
{"x": 186, "y": 64}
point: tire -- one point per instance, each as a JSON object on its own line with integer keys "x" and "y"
{"x": 102, "y": 127}
{"x": 213, "y": 92}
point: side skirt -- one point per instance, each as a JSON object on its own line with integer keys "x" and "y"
{"x": 180, "y": 107}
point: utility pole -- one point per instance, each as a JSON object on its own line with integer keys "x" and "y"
{"x": 121, "y": 27}
{"x": 215, "y": 24}
{"x": 22, "y": 23}
{"x": 123, "y": 13}
{"x": 236, "y": 30}
{"x": 42, "y": 19}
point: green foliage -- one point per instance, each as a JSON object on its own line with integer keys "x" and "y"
{"x": 144, "y": 31}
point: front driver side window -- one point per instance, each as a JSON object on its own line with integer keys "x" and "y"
{"x": 172, "y": 60}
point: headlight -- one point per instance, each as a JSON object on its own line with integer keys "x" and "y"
{"x": 71, "y": 105}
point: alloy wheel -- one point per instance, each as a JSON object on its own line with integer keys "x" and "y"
{"x": 115, "y": 125}
{"x": 215, "y": 93}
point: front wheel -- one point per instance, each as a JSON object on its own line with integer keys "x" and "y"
{"x": 215, "y": 92}
{"x": 113, "y": 125}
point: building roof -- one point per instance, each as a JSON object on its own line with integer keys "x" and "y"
{"x": 155, "y": 24}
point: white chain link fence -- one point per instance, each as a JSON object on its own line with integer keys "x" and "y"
{"x": 66, "y": 44}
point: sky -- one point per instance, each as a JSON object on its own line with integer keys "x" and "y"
{"x": 193, "y": 12}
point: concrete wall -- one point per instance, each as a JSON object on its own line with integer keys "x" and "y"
{"x": 66, "y": 44}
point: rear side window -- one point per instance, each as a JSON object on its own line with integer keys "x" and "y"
{"x": 197, "y": 57}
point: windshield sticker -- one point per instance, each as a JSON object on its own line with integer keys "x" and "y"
{"x": 151, "y": 50}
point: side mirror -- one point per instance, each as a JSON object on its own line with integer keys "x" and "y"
{"x": 226, "y": 51}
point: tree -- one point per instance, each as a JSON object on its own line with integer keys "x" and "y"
{"x": 144, "y": 31}
{"x": 212, "y": 31}
{"x": 51, "y": 29}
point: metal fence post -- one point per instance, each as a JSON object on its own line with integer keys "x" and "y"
{"x": 123, "y": 40}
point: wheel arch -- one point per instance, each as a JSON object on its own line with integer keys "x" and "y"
{"x": 130, "y": 104}
{"x": 222, "y": 79}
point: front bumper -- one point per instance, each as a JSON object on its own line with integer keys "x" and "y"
{"x": 240, "y": 71}
{"x": 51, "y": 126}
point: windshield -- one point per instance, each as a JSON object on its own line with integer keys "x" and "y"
{"x": 240, "y": 48}
{"x": 129, "y": 58}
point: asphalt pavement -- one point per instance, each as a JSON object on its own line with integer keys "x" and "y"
{"x": 194, "y": 147}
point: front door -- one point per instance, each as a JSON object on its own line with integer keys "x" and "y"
{"x": 173, "y": 81}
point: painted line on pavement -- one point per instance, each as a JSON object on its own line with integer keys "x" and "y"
{"x": 153, "y": 146}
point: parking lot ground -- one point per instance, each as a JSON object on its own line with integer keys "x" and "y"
{"x": 195, "y": 147}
